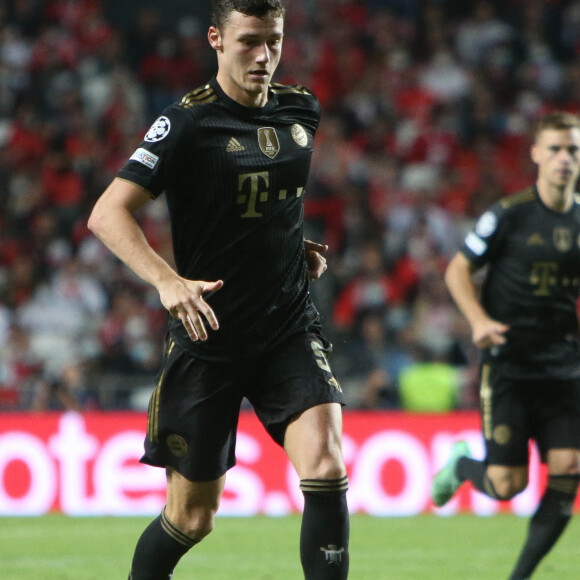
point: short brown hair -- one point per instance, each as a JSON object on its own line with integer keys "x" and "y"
{"x": 557, "y": 120}
{"x": 221, "y": 9}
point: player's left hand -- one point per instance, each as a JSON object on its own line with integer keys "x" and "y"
{"x": 314, "y": 259}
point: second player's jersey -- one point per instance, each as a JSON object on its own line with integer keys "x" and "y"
{"x": 234, "y": 179}
{"x": 532, "y": 282}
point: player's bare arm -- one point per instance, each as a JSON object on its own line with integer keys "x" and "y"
{"x": 314, "y": 259}
{"x": 485, "y": 331}
{"x": 113, "y": 222}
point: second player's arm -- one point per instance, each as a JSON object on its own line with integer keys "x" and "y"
{"x": 113, "y": 222}
{"x": 486, "y": 332}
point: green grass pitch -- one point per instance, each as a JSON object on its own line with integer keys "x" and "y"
{"x": 425, "y": 547}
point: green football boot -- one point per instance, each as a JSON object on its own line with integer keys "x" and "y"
{"x": 446, "y": 483}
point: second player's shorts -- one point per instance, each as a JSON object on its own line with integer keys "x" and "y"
{"x": 514, "y": 411}
{"x": 193, "y": 412}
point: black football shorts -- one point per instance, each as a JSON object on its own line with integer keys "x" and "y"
{"x": 515, "y": 411}
{"x": 193, "y": 411}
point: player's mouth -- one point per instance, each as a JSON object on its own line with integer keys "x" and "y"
{"x": 564, "y": 173}
{"x": 259, "y": 74}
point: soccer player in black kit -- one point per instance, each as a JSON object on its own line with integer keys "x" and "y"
{"x": 232, "y": 159}
{"x": 527, "y": 327}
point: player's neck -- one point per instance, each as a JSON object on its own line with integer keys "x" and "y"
{"x": 557, "y": 199}
{"x": 239, "y": 94}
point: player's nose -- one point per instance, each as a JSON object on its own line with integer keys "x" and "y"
{"x": 263, "y": 53}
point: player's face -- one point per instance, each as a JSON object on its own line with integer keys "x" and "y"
{"x": 248, "y": 50}
{"x": 556, "y": 152}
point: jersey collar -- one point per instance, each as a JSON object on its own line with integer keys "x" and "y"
{"x": 241, "y": 109}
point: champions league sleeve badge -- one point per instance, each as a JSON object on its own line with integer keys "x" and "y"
{"x": 159, "y": 130}
{"x": 486, "y": 224}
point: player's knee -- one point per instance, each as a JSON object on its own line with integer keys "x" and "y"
{"x": 325, "y": 465}
{"x": 564, "y": 461}
{"x": 570, "y": 470}
{"x": 197, "y": 523}
{"x": 508, "y": 487}
{"x": 506, "y": 491}
{"x": 571, "y": 466}
{"x": 332, "y": 469}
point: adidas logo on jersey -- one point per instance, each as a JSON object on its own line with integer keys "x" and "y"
{"x": 535, "y": 240}
{"x": 234, "y": 145}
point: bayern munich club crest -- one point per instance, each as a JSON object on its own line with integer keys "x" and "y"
{"x": 177, "y": 445}
{"x": 159, "y": 130}
{"x": 299, "y": 135}
{"x": 562, "y": 239}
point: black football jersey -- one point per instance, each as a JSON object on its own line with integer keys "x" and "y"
{"x": 532, "y": 281}
{"x": 234, "y": 179}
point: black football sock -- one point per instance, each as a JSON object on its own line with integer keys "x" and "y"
{"x": 325, "y": 529}
{"x": 475, "y": 471}
{"x": 548, "y": 523}
{"x": 158, "y": 550}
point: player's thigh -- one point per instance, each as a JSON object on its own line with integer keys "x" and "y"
{"x": 557, "y": 420}
{"x": 294, "y": 378}
{"x": 313, "y": 442}
{"x": 505, "y": 418}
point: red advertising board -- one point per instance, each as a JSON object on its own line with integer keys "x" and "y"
{"x": 83, "y": 464}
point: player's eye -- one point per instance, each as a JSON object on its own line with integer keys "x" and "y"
{"x": 249, "y": 41}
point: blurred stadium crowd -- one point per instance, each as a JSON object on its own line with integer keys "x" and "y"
{"x": 427, "y": 112}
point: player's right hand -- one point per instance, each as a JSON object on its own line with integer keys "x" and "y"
{"x": 489, "y": 333}
{"x": 184, "y": 301}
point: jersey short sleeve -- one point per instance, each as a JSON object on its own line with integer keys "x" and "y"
{"x": 480, "y": 243}
{"x": 153, "y": 164}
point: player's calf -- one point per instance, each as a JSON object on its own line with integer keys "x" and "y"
{"x": 159, "y": 549}
{"x": 548, "y": 523}
{"x": 325, "y": 529}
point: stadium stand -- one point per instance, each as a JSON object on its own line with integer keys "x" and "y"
{"x": 426, "y": 112}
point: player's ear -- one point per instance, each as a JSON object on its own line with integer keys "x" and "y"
{"x": 534, "y": 154}
{"x": 215, "y": 38}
